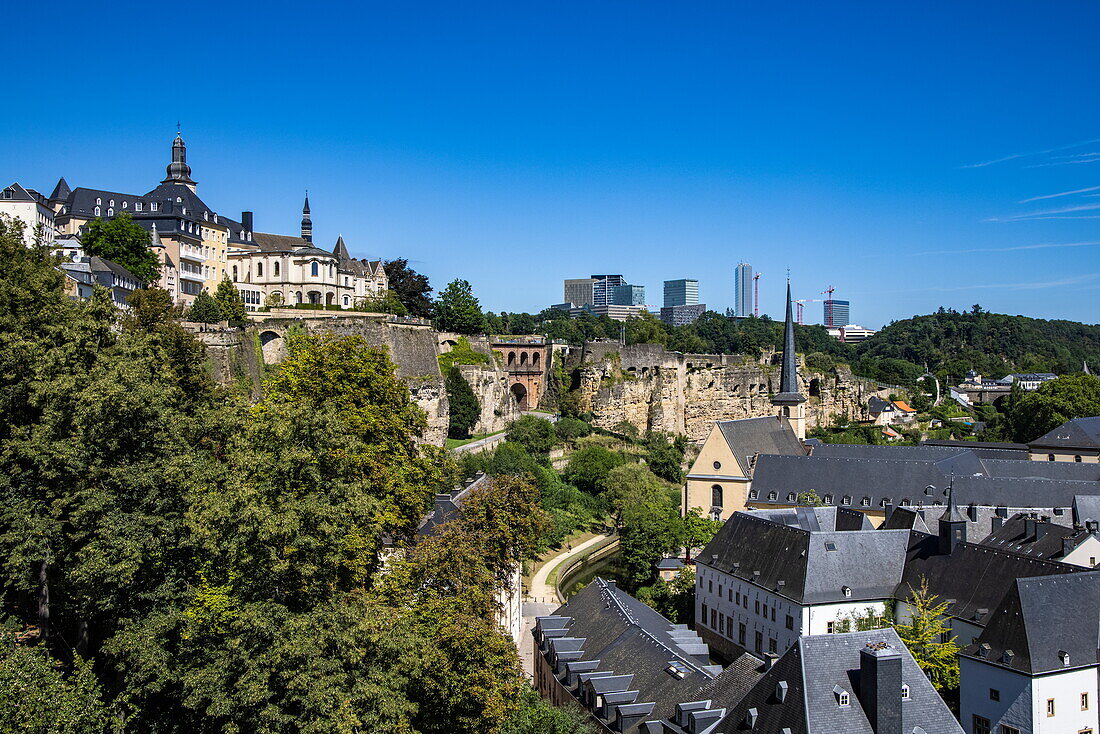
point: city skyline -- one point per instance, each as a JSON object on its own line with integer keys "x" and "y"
{"x": 466, "y": 142}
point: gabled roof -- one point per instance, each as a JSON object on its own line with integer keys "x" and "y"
{"x": 1035, "y": 538}
{"x": 877, "y": 405}
{"x": 814, "y": 669}
{"x": 1048, "y": 623}
{"x": 1079, "y": 433}
{"x": 100, "y": 265}
{"x": 809, "y": 567}
{"x": 16, "y": 192}
{"x": 279, "y": 242}
{"x": 448, "y": 506}
{"x": 903, "y": 406}
{"x": 1086, "y": 508}
{"x": 974, "y": 578}
{"x": 750, "y": 436}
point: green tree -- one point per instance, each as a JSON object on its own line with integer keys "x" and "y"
{"x": 122, "y": 241}
{"x": 697, "y": 530}
{"x": 458, "y": 310}
{"x": 570, "y": 429}
{"x": 151, "y": 306}
{"x": 38, "y": 696}
{"x": 1034, "y": 414}
{"x": 651, "y": 529}
{"x": 204, "y": 309}
{"x": 410, "y": 287}
{"x": 924, "y": 633}
{"x": 590, "y": 465}
{"x": 629, "y": 484}
{"x": 388, "y": 302}
{"x": 465, "y": 409}
{"x": 646, "y": 329}
{"x": 533, "y": 433}
{"x": 536, "y": 715}
{"x": 230, "y": 304}
{"x": 665, "y": 457}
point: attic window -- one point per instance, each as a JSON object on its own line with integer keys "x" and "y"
{"x": 842, "y": 697}
{"x": 717, "y": 465}
{"x": 1063, "y": 656}
{"x": 137, "y": 206}
{"x": 904, "y": 691}
{"x": 790, "y": 496}
{"x": 752, "y": 494}
{"x": 125, "y": 204}
{"x": 905, "y": 502}
{"x": 773, "y": 495}
{"x": 677, "y": 670}
{"x": 846, "y": 500}
{"x": 827, "y": 499}
{"x": 884, "y": 501}
{"x": 781, "y": 691}
{"x": 830, "y": 546}
{"x": 847, "y": 591}
{"x": 866, "y": 502}
{"x": 153, "y": 207}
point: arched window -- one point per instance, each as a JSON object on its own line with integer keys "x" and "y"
{"x": 716, "y": 495}
{"x": 97, "y": 211}
{"x": 276, "y": 268}
{"x": 110, "y": 212}
{"x": 511, "y": 357}
{"x": 298, "y": 297}
{"x": 259, "y": 270}
{"x": 313, "y": 269}
{"x": 523, "y": 358}
{"x": 1077, "y": 458}
{"x": 535, "y": 359}
{"x": 98, "y": 200}
{"x": 234, "y": 273}
{"x": 1050, "y": 457}
{"x": 111, "y": 202}
{"x": 125, "y": 204}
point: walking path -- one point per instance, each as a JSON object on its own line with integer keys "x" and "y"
{"x": 546, "y": 593}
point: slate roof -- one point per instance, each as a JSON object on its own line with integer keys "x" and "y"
{"x": 804, "y": 566}
{"x": 280, "y": 242}
{"x": 1080, "y": 433}
{"x": 1035, "y": 538}
{"x": 878, "y": 405}
{"x": 607, "y": 630}
{"x": 100, "y": 265}
{"x": 62, "y": 191}
{"x": 751, "y": 436}
{"x": 973, "y": 577}
{"x": 818, "y": 665}
{"x": 1039, "y": 620}
{"x": 16, "y": 192}
{"x": 447, "y": 506}
{"x": 905, "y": 518}
{"x": 1086, "y": 509}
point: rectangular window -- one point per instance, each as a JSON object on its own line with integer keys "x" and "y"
{"x": 719, "y": 589}
{"x": 721, "y": 623}
{"x": 737, "y": 598}
{"x": 981, "y": 725}
{"x": 759, "y": 642}
{"x": 994, "y": 694}
{"x": 714, "y": 619}
{"x": 1050, "y": 707}
{"x": 1084, "y": 701}
{"x": 773, "y": 645}
{"x": 790, "y": 622}
{"x": 741, "y": 634}
{"x": 1006, "y": 729}
{"x": 829, "y": 626}
{"x": 773, "y": 614}
{"x": 704, "y": 620}
{"x": 710, "y": 587}
{"x": 757, "y": 606}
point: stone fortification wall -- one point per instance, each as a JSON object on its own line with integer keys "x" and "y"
{"x": 658, "y": 390}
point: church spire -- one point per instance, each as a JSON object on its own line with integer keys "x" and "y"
{"x": 789, "y": 400}
{"x": 307, "y": 223}
{"x": 178, "y": 170}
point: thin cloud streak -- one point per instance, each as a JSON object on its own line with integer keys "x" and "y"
{"x": 1060, "y": 193}
{"x": 1014, "y": 156}
{"x": 1037, "y": 285}
{"x": 1063, "y": 163}
{"x": 1045, "y": 213}
{"x": 1016, "y": 248}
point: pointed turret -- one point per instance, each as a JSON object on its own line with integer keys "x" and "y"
{"x": 178, "y": 170}
{"x": 154, "y": 237}
{"x": 789, "y": 400}
{"x": 952, "y": 526}
{"x": 307, "y": 223}
{"x": 61, "y": 192}
{"x": 341, "y": 250}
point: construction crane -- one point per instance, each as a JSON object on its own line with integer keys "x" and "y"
{"x": 800, "y": 304}
{"x": 756, "y": 295}
{"x": 829, "y": 292}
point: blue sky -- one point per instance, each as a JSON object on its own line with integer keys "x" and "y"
{"x": 900, "y": 153}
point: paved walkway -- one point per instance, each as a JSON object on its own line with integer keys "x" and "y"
{"x": 540, "y": 590}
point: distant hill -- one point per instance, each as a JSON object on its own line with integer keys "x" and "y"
{"x": 993, "y": 344}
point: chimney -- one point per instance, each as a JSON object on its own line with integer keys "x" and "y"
{"x": 1041, "y": 529}
{"x": 1029, "y": 527}
{"x": 1067, "y": 545}
{"x": 998, "y": 523}
{"x": 246, "y": 221}
{"x": 770, "y": 659}
{"x": 880, "y": 687}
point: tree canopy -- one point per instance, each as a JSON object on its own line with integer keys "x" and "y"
{"x": 458, "y": 310}
{"x": 122, "y": 241}
{"x": 410, "y": 288}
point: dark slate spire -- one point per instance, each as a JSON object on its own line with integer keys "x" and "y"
{"x": 178, "y": 170}
{"x": 341, "y": 250}
{"x": 61, "y": 192}
{"x": 788, "y": 385}
{"x": 952, "y": 528}
{"x": 307, "y": 223}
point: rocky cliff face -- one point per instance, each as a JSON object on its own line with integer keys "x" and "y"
{"x": 685, "y": 393}
{"x": 241, "y": 357}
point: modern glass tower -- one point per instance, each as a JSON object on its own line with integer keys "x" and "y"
{"x": 837, "y": 313}
{"x": 742, "y": 290}
{"x": 684, "y": 292}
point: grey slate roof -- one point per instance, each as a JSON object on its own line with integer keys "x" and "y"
{"x": 751, "y": 436}
{"x": 100, "y": 265}
{"x": 1036, "y": 539}
{"x": 61, "y": 191}
{"x": 447, "y": 506}
{"x": 1086, "y": 509}
{"x": 279, "y": 242}
{"x": 1039, "y": 620}
{"x": 1082, "y": 433}
{"x": 808, "y": 567}
{"x": 973, "y": 577}
{"x": 818, "y": 665}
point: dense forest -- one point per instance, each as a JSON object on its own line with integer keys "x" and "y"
{"x": 177, "y": 558}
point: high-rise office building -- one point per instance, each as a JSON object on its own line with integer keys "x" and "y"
{"x": 603, "y": 288}
{"x": 742, "y": 290}
{"x": 683, "y": 292}
{"x": 837, "y": 313}
{"x": 627, "y": 295}
{"x": 578, "y": 291}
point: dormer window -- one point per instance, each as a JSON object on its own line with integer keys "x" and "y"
{"x": 847, "y": 591}
{"x": 790, "y": 496}
{"x": 110, "y": 212}
{"x": 1063, "y": 656}
{"x": 842, "y": 697}
{"x": 846, "y": 499}
{"x": 827, "y": 499}
{"x": 97, "y": 211}
{"x": 137, "y": 206}
{"x": 866, "y": 502}
{"x": 125, "y": 204}
{"x": 884, "y": 501}
{"x": 98, "y": 200}
{"x": 111, "y": 202}
{"x": 904, "y": 691}
{"x": 153, "y": 206}
{"x": 179, "y": 200}
{"x": 773, "y": 495}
